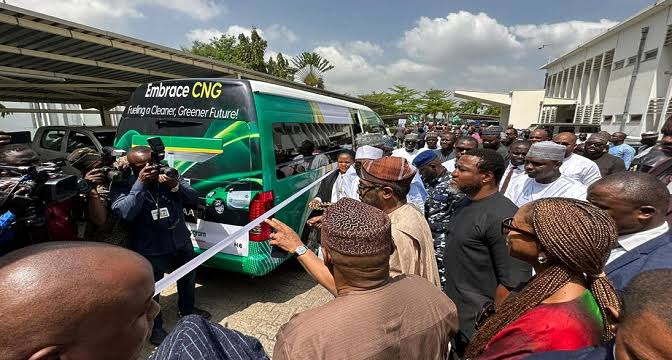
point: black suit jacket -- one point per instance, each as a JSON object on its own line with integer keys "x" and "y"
{"x": 326, "y": 186}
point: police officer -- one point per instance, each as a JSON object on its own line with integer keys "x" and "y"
{"x": 440, "y": 202}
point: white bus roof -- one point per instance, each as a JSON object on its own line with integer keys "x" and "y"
{"x": 272, "y": 89}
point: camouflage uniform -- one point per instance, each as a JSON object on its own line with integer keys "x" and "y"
{"x": 439, "y": 207}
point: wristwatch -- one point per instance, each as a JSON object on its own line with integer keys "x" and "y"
{"x": 301, "y": 250}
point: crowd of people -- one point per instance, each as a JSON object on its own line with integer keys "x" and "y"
{"x": 464, "y": 243}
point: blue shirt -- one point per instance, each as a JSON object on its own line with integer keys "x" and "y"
{"x": 134, "y": 202}
{"x": 625, "y": 152}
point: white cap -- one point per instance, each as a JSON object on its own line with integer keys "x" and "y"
{"x": 547, "y": 150}
{"x": 367, "y": 152}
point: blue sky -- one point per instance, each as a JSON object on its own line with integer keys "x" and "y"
{"x": 450, "y": 44}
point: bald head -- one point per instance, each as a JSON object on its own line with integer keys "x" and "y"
{"x": 566, "y": 139}
{"x": 539, "y": 135}
{"x": 617, "y": 138}
{"x": 68, "y": 290}
{"x": 636, "y": 201}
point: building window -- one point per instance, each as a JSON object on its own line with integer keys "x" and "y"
{"x": 619, "y": 64}
{"x": 635, "y": 118}
{"x": 632, "y": 60}
{"x": 650, "y": 55}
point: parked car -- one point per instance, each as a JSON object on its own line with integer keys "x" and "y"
{"x": 56, "y": 142}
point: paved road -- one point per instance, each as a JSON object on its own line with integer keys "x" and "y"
{"x": 253, "y": 306}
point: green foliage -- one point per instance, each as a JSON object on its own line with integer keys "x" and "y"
{"x": 493, "y": 110}
{"x": 404, "y": 100}
{"x": 312, "y": 59}
{"x": 387, "y": 103}
{"x": 280, "y": 67}
{"x": 470, "y": 107}
{"x": 244, "y": 51}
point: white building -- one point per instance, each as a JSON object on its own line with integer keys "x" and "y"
{"x": 621, "y": 80}
{"x": 520, "y": 108}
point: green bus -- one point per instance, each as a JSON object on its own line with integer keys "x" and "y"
{"x": 244, "y": 146}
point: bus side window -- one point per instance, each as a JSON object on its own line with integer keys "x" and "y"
{"x": 319, "y": 146}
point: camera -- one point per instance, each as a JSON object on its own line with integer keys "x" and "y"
{"x": 27, "y": 186}
{"x": 158, "y": 154}
{"x": 113, "y": 173}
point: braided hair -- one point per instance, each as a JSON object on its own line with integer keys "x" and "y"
{"x": 575, "y": 253}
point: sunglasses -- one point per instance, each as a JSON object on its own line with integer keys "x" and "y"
{"x": 507, "y": 226}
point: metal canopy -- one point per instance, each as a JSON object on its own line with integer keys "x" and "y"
{"x": 46, "y": 59}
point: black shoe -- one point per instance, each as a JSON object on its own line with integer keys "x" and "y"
{"x": 157, "y": 337}
{"x": 200, "y": 312}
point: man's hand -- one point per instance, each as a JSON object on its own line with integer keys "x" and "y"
{"x": 148, "y": 174}
{"x": 5, "y": 139}
{"x": 314, "y": 203}
{"x": 315, "y": 221}
{"x": 95, "y": 176}
{"x": 167, "y": 182}
{"x": 284, "y": 237}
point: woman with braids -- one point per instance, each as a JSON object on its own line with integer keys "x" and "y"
{"x": 564, "y": 306}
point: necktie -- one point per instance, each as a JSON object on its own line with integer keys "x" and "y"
{"x": 507, "y": 179}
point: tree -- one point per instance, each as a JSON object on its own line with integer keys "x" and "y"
{"x": 280, "y": 67}
{"x": 470, "y": 107}
{"x": 433, "y": 101}
{"x": 406, "y": 100}
{"x": 316, "y": 64}
{"x": 312, "y": 59}
{"x": 387, "y": 104}
{"x": 493, "y": 110}
{"x": 244, "y": 51}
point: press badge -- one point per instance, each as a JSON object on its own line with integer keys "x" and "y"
{"x": 163, "y": 213}
{"x": 155, "y": 214}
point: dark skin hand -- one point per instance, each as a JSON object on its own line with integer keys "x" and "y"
{"x": 95, "y": 176}
{"x": 148, "y": 174}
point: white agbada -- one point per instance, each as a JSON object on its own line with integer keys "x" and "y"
{"x": 580, "y": 169}
{"x": 527, "y": 189}
{"x": 402, "y": 153}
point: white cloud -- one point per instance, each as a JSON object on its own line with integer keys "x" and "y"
{"x": 108, "y": 12}
{"x": 273, "y": 34}
{"x": 365, "y": 48}
{"x": 235, "y": 30}
{"x": 280, "y": 32}
{"x": 354, "y": 74}
{"x": 459, "y": 38}
{"x": 197, "y": 9}
{"x": 203, "y": 35}
{"x": 562, "y": 37}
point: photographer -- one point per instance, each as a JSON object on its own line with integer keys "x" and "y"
{"x": 153, "y": 203}
{"x": 98, "y": 222}
{"x": 38, "y": 222}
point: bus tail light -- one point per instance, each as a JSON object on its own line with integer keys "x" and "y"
{"x": 259, "y": 205}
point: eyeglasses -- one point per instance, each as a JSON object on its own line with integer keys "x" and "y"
{"x": 461, "y": 149}
{"x": 362, "y": 190}
{"x": 507, "y": 226}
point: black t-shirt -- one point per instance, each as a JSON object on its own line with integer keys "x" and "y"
{"x": 477, "y": 259}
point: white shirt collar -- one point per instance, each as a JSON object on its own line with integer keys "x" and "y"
{"x": 631, "y": 241}
{"x": 519, "y": 167}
